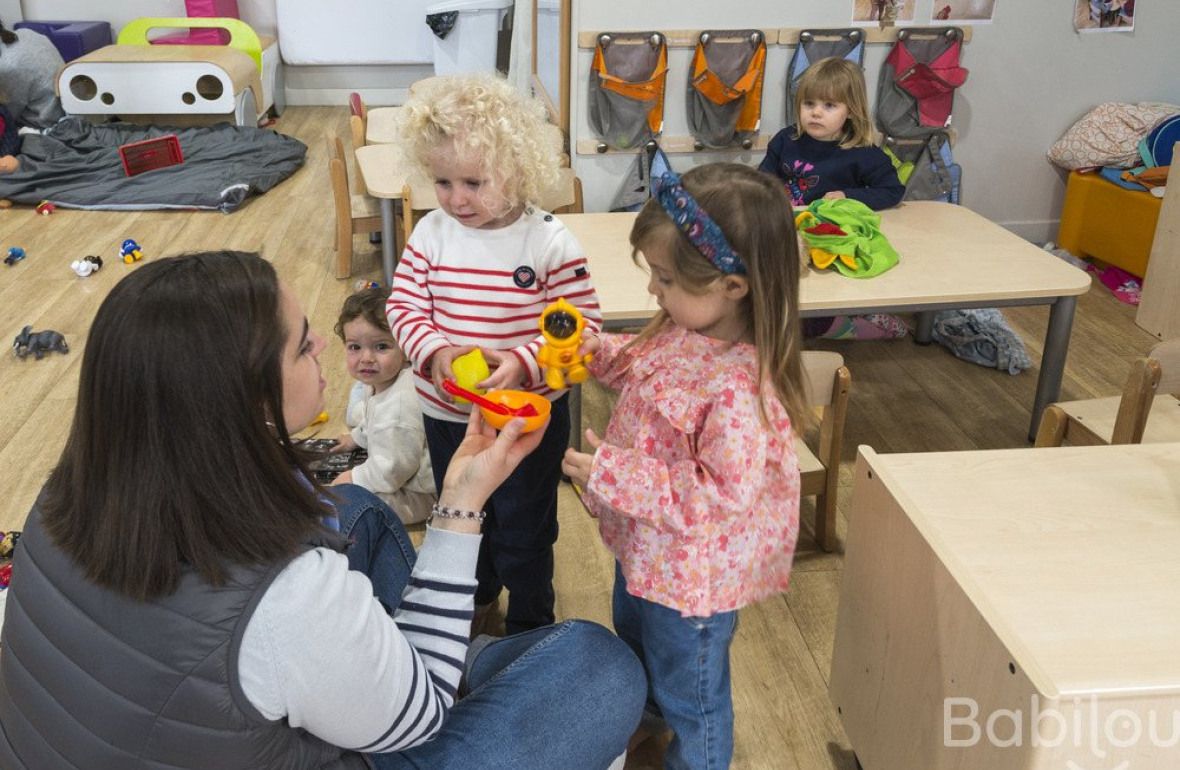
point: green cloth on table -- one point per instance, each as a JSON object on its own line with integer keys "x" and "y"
{"x": 863, "y": 241}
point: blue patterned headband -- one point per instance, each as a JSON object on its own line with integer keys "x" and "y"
{"x": 696, "y": 224}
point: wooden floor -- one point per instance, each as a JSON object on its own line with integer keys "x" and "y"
{"x": 905, "y": 398}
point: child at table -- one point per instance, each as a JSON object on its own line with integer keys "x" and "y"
{"x": 477, "y": 272}
{"x": 830, "y": 153}
{"x": 696, "y": 483}
{"x": 389, "y": 422}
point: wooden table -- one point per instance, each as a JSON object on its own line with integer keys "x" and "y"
{"x": 381, "y": 125}
{"x": 951, "y": 258}
{"x": 1003, "y": 585}
{"x": 385, "y": 178}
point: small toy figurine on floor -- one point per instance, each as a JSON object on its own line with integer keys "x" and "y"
{"x": 8, "y": 543}
{"x": 130, "y": 252}
{"x": 15, "y": 254}
{"x": 45, "y": 208}
{"x": 561, "y": 325}
{"x": 87, "y": 265}
{"x": 38, "y": 343}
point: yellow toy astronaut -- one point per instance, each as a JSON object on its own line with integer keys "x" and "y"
{"x": 562, "y": 324}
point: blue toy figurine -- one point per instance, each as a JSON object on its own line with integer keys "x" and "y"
{"x": 15, "y": 254}
{"x": 130, "y": 252}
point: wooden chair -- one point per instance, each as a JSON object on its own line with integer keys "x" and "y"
{"x": 354, "y": 213}
{"x": 417, "y": 199}
{"x": 828, "y": 385}
{"x": 358, "y": 110}
{"x": 565, "y": 197}
{"x": 358, "y": 124}
{"x": 1149, "y": 391}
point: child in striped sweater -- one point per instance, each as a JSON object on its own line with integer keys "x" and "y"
{"x": 476, "y": 273}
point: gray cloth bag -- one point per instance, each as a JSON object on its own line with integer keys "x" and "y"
{"x": 634, "y": 57}
{"x": 728, "y": 55}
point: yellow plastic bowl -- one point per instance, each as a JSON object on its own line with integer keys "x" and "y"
{"x": 514, "y": 399}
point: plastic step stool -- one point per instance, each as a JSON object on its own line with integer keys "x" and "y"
{"x": 1108, "y": 222}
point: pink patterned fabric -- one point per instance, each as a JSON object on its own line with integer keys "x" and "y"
{"x": 695, "y": 496}
{"x": 203, "y": 9}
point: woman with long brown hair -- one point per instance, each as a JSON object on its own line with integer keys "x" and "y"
{"x": 179, "y": 598}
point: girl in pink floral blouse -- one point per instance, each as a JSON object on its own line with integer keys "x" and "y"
{"x": 696, "y": 483}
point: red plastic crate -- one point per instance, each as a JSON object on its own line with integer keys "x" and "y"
{"x": 151, "y": 154}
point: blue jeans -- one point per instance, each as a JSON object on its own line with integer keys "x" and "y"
{"x": 521, "y": 524}
{"x": 687, "y": 665}
{"x": 563, "y": 696}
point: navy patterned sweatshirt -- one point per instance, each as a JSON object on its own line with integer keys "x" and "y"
{"x": 810, "y": 168}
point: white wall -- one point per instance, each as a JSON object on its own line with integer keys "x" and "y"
{"x": 1031, "y": 77}
{"x": 10, "y": 12}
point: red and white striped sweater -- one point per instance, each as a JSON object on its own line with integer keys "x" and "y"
{"x": 457, "y": 285}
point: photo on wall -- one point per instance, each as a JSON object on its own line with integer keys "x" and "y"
{"x": 965, "y": 11}
{"x": 1103, "y": 15}
{"x": 883, "y": 12}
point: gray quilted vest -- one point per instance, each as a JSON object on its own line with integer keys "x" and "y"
{"x": 92, "y": 679}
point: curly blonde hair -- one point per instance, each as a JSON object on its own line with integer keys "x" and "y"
{"x": 489, "y": 122}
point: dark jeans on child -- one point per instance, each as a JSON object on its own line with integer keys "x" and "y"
{"x": 566, "y": 695}
{"x": 521, "y": 524}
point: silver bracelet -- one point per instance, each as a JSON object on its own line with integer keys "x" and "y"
{"x": 443, "y": 512}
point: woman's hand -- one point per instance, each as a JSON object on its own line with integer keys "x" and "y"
{"x": 440, "y": 367}
{"x": 835, "y": 195}
{"x": 507, "y": 370}
{"x": 577, "y": 464}
{"x": 482, "y": 462}
{"x": 343, "y": 478}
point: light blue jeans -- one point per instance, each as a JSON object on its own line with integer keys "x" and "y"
{"x": 563, "y": 696}
{"x": 687, "y": 665}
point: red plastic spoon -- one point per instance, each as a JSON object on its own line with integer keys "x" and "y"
{"x": 528, "y": 410}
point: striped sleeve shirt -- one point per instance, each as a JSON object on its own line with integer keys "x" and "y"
{"x": 457, "y": 285}
{"x": 323, "y": 653}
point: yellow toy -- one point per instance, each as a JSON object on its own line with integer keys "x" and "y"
{"x": 562, "y": 324}
{"x": 469, "y": 369}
